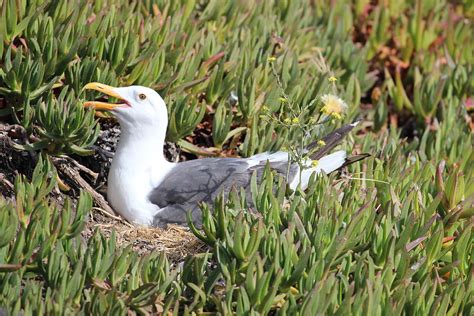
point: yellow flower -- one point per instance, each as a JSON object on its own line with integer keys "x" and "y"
{"x": 282, "y": 100}
{"x": 265, "y": 108}
{"x": 287, "y": 120}
{"x": 271, "y": 59}
{"x": 321, "y": 143}
{"x": 333, "y": 105}
{"x": 295, "y": 120}
{"x": 314, "y": 163}
{"x": 294, "y": 290}
{"x": 332, "y": 79}
{"x": 336, "y": 116}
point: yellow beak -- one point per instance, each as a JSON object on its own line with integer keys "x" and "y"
{"x": 105, "y": 89}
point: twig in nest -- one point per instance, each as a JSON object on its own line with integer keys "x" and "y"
{"x": 74, "y": 175}
{"x": 113, "y": 216}
{"x": 93, "y": 174}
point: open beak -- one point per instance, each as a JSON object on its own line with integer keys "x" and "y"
{"x": 105, "y": 89}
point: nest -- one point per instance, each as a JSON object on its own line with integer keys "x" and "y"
{"x": 177, "y": 242}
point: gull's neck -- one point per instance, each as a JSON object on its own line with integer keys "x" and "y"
{"x": 138, "y": 167}
{"x": 140, "y": 148}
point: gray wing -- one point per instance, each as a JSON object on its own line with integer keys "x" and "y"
{"x": 202, "y": 180}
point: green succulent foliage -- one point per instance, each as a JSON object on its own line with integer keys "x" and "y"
{"x": 32, "y": 227}
{"x": 15, "y": 18}
{"x": 183, "y": 121}
{"x": 222, "y": 125}
{"x": 47, "y": 268}
{"x": 427, "y": 38}
{"x": 175, "y": 49}
{"x": 22, "y": 79}
{"x": 379, "y": 243}
{"x": 311, "y": 254}
{"x": 394, "y": 236}
{"x": 57, "y": 47}
{"x": 67, "y": 126}
{"x": 64, "y": 125}
{"x": 89, "y": 70}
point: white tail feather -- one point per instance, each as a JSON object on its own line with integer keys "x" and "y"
{"x": 276, "y": 156}
{"x": 333, "y": 161}
{"x": 327, "y": 164}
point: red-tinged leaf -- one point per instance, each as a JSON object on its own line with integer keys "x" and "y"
{"x": 213, "y": 60}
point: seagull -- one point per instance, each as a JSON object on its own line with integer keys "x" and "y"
{"x": 146, "y": 189}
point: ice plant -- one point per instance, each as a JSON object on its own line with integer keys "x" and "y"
{"x": 343, "y": 247}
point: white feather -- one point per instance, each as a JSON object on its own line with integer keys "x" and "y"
{"x": 327, "y": 164}
{"x": 272, "y": 157}
{"x": 333, "y": 161}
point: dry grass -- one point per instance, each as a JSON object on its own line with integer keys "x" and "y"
{"x": 176, "y": 241}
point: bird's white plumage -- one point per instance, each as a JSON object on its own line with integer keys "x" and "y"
{"x": 327, "y": 164}
{"x": 139, "y": 165}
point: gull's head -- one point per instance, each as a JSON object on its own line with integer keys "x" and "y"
{"x": 136, "y": 105}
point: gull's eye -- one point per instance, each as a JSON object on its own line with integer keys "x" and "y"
{"x": 142, "y": 96}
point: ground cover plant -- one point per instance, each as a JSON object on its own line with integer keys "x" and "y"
{"x": 391, "y": 234}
